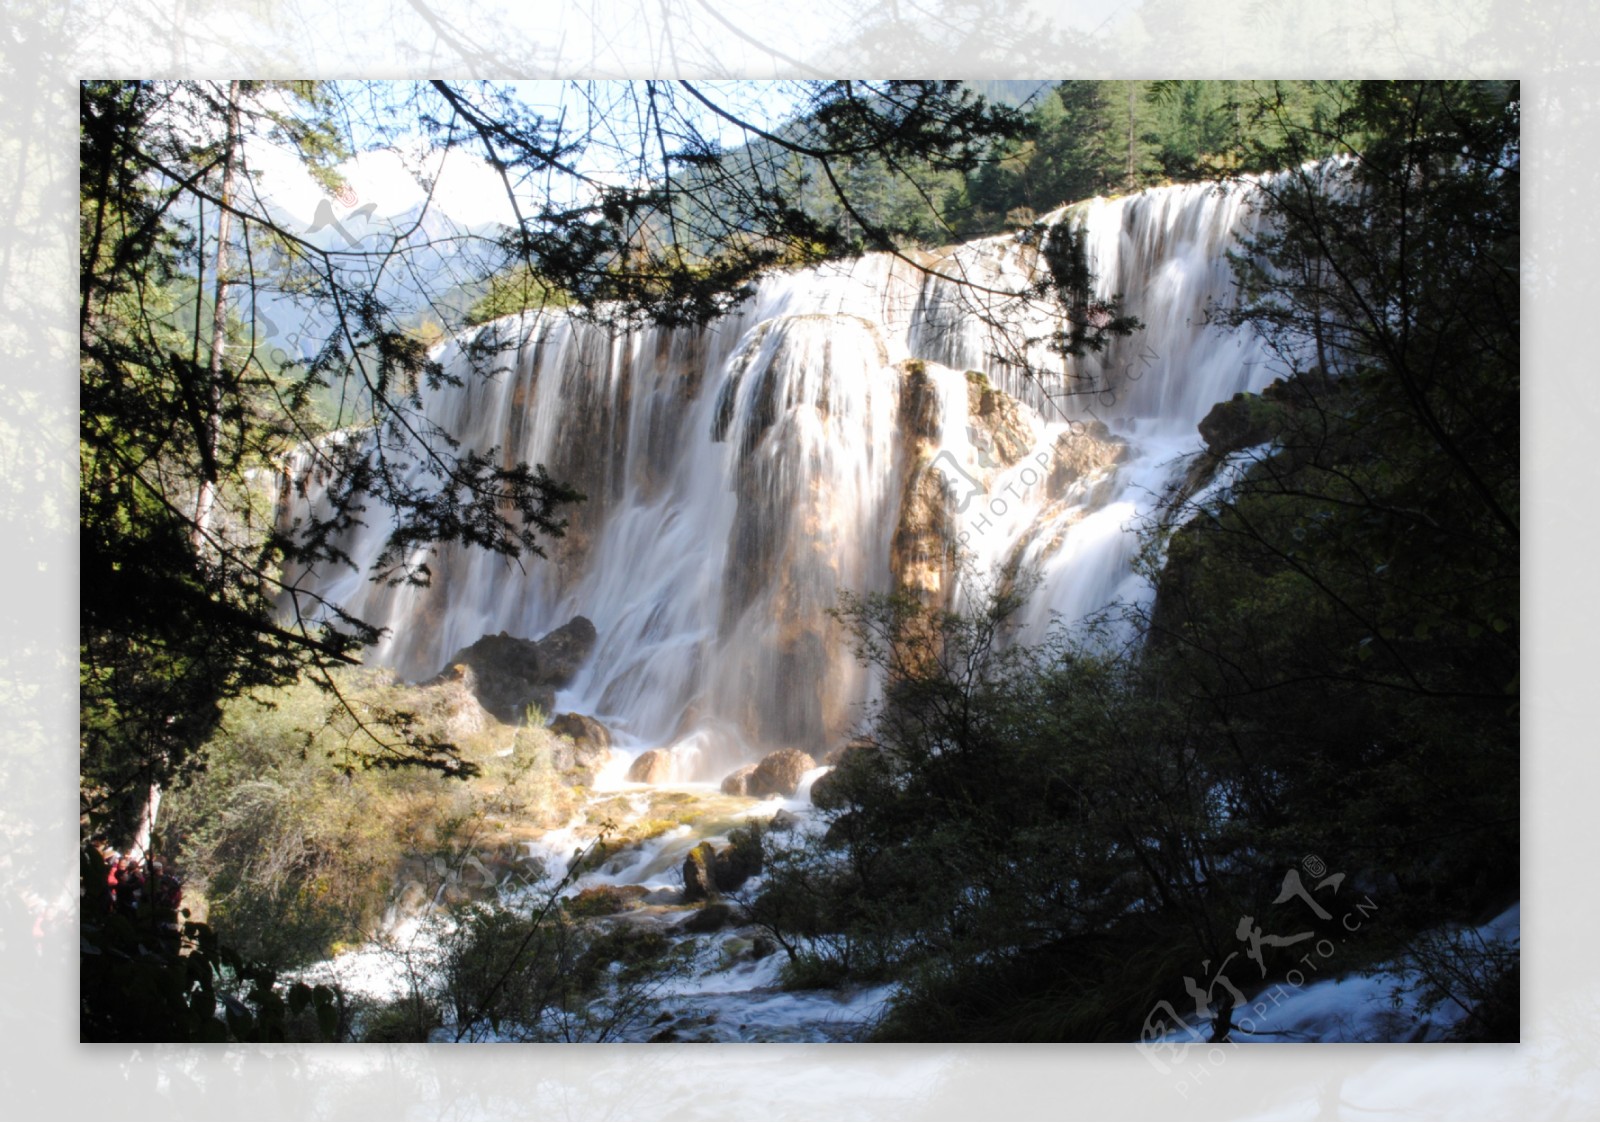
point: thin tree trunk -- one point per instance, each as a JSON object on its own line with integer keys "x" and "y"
{"x": 206, "y": 500}
{"x": 147, "y": 824}
{"x": 1133, "y": 90}
{"x": 205, "y": 503}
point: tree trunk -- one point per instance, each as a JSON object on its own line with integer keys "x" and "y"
{"x": 205, "y": 503}
{"x": 206, "y": 500}
{"x": 1133, "y": 91}
{"x": 147, "y": 823}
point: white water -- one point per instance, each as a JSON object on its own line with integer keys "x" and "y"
{"x": 727, "y": 994}
{"x": 1376, "y": 1004}
{"x": 741, "y": 476}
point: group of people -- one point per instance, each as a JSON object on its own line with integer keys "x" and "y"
{"x": 136, "y": 884}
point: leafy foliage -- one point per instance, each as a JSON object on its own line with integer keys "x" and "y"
{"x": 1365, "y": 571}
{"x": 1095, "y": 137}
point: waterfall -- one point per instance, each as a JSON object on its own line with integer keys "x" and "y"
{"x": 846, "y": 428}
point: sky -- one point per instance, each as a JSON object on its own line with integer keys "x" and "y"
{"x": 390, "y": 166}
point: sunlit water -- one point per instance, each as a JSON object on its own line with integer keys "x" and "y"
{"x": 741, "y": 476}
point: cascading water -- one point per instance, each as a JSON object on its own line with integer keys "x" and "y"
{"x": 853, "y": 427}
{"x": 741, "y": 475}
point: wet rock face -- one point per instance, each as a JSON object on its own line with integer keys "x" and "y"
{"x": 803, "y": 429}
{"x": 922, "y": 552}
{"x": 1081, "y": 453}
{"x": 996, "y": 427}
{"x": 508, "y": 674}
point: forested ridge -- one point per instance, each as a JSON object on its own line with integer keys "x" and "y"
{"x": 1033, "y": 837}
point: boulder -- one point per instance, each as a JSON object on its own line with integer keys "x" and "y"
{"x": 838, "y": 752}
{"x": 652, "y": 767}
{"x": 1247, "y": 419}
{"x": 590, "y": 746}
{"x": 583, "y": 729}
{"x": 699, "y": 873}
{"x": 827, "y": 792}
{"x": 741, "y": 860}
{"x": 563, "y": 651}
{"x": 784, "y": 820}
{"x": 779, "y": 773}
{"x": 737, "y": 782}
{"x": 606, "y": 900}
{"x": 708, "y": 918}
{"x": 507, "y": 674}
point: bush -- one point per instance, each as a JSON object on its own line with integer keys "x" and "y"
{"x": 295, "y": 850}
{"x": 549, "y": 976}
{"x": 1046, "y": 840}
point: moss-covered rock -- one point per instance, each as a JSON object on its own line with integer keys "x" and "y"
{"x": 605, "y": 900}
{"x": 712, "y": 917}
{"x": 1242, "y": 421}
{"x": 741, "y": 859}
{"x": 699, "y": 873}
